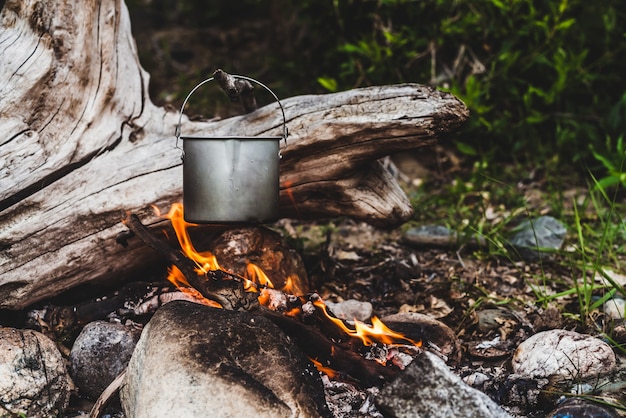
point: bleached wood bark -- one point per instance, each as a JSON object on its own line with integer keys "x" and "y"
{"x": 81, "y": 144}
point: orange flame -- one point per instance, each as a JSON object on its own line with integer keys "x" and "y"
{"x": 292, "y": 286}
{"x": 205, "y": 261}
{"x": 255, "y": 279}
{"x": 178, "y": 279}
{"x": 257, "y": 275}
{"x": 368, "y": 334}
{"x": 331, "y": 373}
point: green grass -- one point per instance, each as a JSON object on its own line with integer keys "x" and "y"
{"x": 490, "y": 200}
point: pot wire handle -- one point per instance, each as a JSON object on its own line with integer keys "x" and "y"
{"x": 177, "y": 131}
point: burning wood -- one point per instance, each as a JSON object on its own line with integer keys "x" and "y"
{"x": 334, "y": 347}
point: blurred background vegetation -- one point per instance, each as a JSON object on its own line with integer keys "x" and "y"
{"x": 544, "y": 80}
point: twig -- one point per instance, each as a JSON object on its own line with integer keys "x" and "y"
{"x": 105, "y": 397}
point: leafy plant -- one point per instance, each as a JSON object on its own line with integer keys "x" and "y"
{"x": 538, "y": 77}
{"x": 614, "y": 164}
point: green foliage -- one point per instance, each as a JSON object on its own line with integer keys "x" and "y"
{"x": 612, "y": 154}
{"x": 539, "y": 77}
{"x": 614, "y": 164}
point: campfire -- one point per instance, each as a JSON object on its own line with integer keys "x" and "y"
{"x": 347, "y": 343}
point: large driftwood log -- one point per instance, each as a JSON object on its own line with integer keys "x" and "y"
{"x": 81, "y": 144}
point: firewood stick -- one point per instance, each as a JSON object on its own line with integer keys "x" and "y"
{"x": 220, "y": 286}
{"x": 105, "y": 397}
{"x": 316, "y": 345}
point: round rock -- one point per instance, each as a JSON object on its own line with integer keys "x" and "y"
{"x": 100, "y": 353}
{"x": 563, "y": 353}
{"x": 33, "y": 378}
{"x": 581, "y": 408}
{"x": 615, "y": 308}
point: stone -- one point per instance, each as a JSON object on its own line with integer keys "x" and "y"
{"x": 494, "y": 319}
{"x": 33, "y": 379}
{"x": 434, "y": 334}
{"x": 609, "y": 277}
{"x": 615, "y": 308}
{"x": 581, "y": 408}
{"x": 100, "y": 353}
{"x": 435, "y": 235}
{"x": 428, "y": 388}
{"x": 351, "y": 309}
{"x": 565, "y": 354}
{"x": 534, "y": 239}
{"x": 438, "y": 236}
{"x": 196, "y": 361}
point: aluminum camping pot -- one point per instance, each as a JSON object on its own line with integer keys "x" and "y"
{"x": 230, "y": 179}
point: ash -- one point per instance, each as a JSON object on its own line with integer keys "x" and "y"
{"x": 345, "y": 400}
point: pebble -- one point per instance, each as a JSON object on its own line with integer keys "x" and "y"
{"x": 563, "y": 353}
{"x": 438, "y": 236}
{"x": 535, "y": 239}
{"x": 580, "y": 408}
{"x": 494, "y": 319}
{"x": 434, "y": 334}
{"x": 99, "y": 354}
{"x": 612, "y": 277}
{"x": 615, "y": 308}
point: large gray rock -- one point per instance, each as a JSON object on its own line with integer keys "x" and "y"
{"x": 33, "y": 379}
{"x": 100, "y": 353}
{"x": 196, "y": 361}
{"x": 427, "y": 389}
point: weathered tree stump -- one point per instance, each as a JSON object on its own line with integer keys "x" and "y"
{"x": 82, "y": 144}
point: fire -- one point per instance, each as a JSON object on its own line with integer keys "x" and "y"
{"x": 255, "y": 280}
{"x": 205, "y": 261}
{"x": 178, "y": 279}
{"x": 377, "y": 332}
{"x": 331, "y": 373}
{"x": 256, "y": 275}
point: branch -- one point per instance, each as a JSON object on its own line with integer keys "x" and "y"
{"x": 217, "y": 285}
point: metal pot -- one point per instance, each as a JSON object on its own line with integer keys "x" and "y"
{"x": 233, "y": 179}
